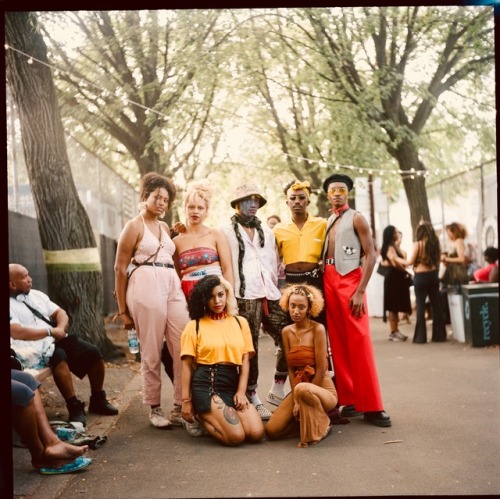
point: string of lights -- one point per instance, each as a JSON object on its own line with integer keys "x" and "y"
{"x": 411, "y": 174}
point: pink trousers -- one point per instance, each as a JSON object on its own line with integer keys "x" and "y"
{"x": 159, "y": 309}
{"x": 356, "y": 376}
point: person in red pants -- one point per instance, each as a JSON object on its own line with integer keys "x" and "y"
{"x": 348, "y": 261}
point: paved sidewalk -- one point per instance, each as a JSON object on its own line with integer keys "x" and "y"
{"x": 443, "y": 398}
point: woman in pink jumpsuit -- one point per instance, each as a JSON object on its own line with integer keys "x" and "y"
{"x": 149, "y": 294}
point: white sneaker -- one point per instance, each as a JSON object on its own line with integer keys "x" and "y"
{"x": 263, "y": 412}
{"x": 158, "y": 419}
{"x": 195, "y": 429}
{"x": 176, "y": 416}
{"x": 274, "y": 399}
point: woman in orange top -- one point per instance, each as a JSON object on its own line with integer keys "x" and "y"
{"x": 304, "y": 410}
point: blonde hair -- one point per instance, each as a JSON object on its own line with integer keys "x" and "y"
{"x": 231, "y": 303}
{"x": 314, "y": 297}
{"x": 199, "y": 189}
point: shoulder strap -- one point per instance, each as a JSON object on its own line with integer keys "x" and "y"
{"x": 197, "y": 326}
{"x": 39, "y": 315}
{"x": 238, "y": 321}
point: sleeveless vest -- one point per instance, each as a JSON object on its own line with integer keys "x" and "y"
{"x": 347, "y": 244}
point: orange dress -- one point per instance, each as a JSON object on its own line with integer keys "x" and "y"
{"x": 313, "y": 421}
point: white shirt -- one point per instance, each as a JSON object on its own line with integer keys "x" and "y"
{"x": 260, "y": 265}
{"x": 32, "y": 353}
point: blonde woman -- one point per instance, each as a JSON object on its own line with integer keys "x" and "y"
{"x": 149, "y": 295}
{"x": 305, "y": 409}
{"x": 200, "y": 250}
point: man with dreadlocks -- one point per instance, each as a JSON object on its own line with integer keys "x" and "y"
{"x": 255, "y": 267}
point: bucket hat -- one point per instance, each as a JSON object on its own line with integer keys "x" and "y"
{"x": 246, "y": 190}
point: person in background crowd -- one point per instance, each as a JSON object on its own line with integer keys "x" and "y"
{"x": 149, "y": 294}
{"x": 49, "y": 454}
{"x": 349, "y": 258}
{"x": 41, "y": 324}
{"x": 299, "y": 243}
{"x": 404, "y": 316}
{"x": 396, "y": 282}
{"x": 305, "y": 409}
{"x": 272, "y": 220}
{"x": 455, "y": 261}
{"x": 216, "y": 350}
{"x": 491, "y": 258}
{"x": 425, "y": 259}
{"x": 255, "y": 266}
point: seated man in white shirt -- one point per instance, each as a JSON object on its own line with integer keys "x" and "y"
{"x": 38, "y": 322}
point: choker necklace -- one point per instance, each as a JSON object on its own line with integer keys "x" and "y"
{"x": 216, "y": 317}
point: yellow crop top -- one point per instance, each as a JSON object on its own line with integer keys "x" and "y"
{"x": 218, "y": 340}
{"x": 304, "y": 245}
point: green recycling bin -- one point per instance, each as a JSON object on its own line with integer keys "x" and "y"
{"x": 481, "y": 314}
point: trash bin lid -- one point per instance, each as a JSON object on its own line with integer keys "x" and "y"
{"x": 486, "y": 288}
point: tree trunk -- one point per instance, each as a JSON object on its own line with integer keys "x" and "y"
{"x": 414, "y": 184}
{"x": 70, "y": 250}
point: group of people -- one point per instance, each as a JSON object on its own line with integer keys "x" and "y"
{"x": 199, "y": 297}
{"x": 435, "y": 274}
{"x": 204, "y": 294}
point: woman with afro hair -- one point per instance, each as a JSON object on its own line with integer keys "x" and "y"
{"x": 305, "y": 409}
{"x": 216, "y": 347}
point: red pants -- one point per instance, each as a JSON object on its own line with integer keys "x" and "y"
{"x": 356, "y": 376}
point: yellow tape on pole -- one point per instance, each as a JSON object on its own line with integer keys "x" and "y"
{"x": 73, "y": 260}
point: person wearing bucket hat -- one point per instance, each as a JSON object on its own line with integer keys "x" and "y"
{"x": 255, "y": 268}
{"x": 348, "y": 259}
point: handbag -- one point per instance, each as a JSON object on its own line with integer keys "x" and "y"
{"x": 383, "y": 270}
{"x": 408, "y": 279}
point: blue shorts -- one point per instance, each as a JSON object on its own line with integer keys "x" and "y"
{"x": 23, "y": 387}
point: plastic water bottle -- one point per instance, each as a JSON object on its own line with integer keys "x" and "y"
{"x": 133, "y": 341}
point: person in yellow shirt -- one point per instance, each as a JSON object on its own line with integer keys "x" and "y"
{"x": 299, "y": 242}
{"x": 216, "y": 347}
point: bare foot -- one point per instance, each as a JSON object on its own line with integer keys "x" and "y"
{"x": 59, "y": 454}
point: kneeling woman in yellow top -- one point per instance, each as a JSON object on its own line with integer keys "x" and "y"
{"x": 304, "y": 410}
{"x": 216, "y": 347}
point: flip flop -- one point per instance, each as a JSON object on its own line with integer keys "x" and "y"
{"x": 78, "y": 464}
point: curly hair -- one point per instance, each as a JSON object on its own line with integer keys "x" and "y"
{"x": 199, "y": 189}
{"x": 152, "y": 181}
{"x": 458, "y": 230}
{"x": 314, "y": 296}
{"x": 202, "y": 292}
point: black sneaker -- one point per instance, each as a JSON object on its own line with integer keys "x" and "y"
{"x": 378, "y": 418}
{"x": 76, "y": 410}
{"x": 100, "y": 405}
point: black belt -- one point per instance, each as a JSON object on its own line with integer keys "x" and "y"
{"x": 330, "y": 261}
{"x": 154, "y": 264}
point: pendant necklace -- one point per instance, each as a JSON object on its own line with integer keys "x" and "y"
{"x": 300, "y": 338}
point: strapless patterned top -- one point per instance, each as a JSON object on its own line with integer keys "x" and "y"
{"x": 197, "y": 257}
